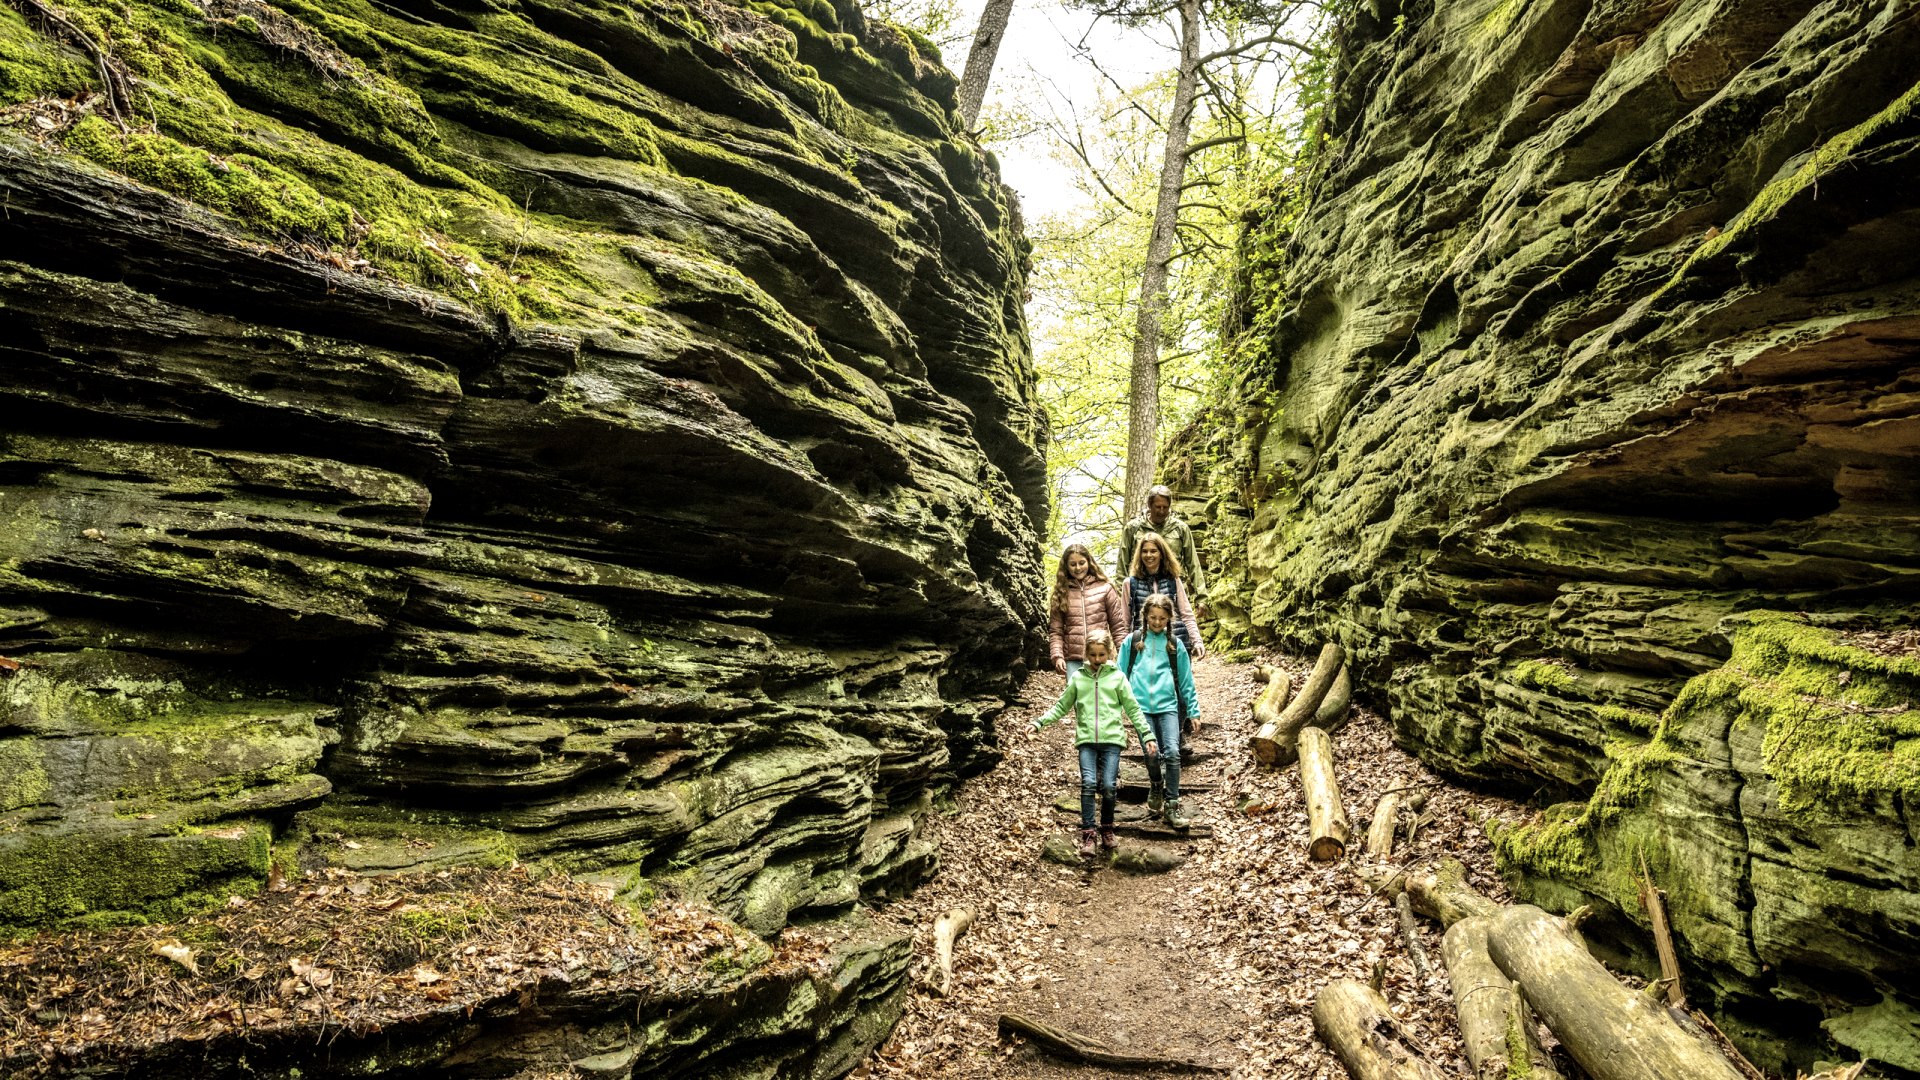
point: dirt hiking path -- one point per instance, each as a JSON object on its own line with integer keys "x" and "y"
{"x": 1215, "y": 961}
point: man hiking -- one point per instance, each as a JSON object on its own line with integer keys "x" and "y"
{"x": 1159, "y": 518}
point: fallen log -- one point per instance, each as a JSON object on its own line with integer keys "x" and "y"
{"x": 1327, "y": 825}
{"x": 1442, "y": 894}
{"x": 1612, "y": 1032}
{"x": 1079, "y": 1048}
{"x": 1381, "y": 830}
{"x": 1497, "y": 1028}
{"x": 1273, "y": 744}
{"x": 1410, "y": 935}
{"x": 1272, "y": 698}
{"x": 1332, "y": 711}
{"x": 1356, "y": 1025}
{"x": 947, "y": 930}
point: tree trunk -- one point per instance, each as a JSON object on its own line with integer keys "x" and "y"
{"x": 1332, "y": 712}
{"x": 1613, "y": 1033}
{"x": 1327, "y": 825}
{"x": 1356, "y": 1025}
{"x": 980, "y": 58}
{"x": 1496, "y": 1026}
{"x": 1143, "y": 391}
{"x": 1273, "y": 744}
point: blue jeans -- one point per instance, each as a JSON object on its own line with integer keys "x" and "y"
{"x": 1166, "y": 766}
{"x": 1099, "y": 773}
{"x": 1074, "y": 666}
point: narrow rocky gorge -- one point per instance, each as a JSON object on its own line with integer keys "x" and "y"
{"x": 598, "y": 437}
{"x": 1583, "y": 407}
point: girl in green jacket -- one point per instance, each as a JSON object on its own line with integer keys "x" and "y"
{"x": 1103, "y": 711}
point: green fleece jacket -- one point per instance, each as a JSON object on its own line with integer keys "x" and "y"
{"x": 1103, "y": 704}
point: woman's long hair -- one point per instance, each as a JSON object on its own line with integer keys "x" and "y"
{"x": 1168, "y": 564}
{"x": 1061, "y": 580}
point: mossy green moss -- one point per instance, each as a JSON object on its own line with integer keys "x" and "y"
{"x": 1842, "y": 724}
{"x": 30, "y": 68}
{"x": 1560, "y": 845}
{"x": 1519, "y": 1055}
{"x": 23, "y": 776}
{"x": 1635, "y": 720}
{"x": 85, "y": 877}
{"x": 1840, "y": 730}
{"x": 1542, "y": 675}
{"x": 1772, "y": 199}
{"x": 353, "y": 168}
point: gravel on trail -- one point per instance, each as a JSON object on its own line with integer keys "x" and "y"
{"x": 1216, "y": 961}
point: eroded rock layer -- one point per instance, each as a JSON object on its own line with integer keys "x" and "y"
{"x": 1600, "y": 340}
{"x": 597, "y": 435}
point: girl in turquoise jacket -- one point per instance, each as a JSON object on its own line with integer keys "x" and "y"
{"x": 1158, "y": 672}
{"x": 1103, "y": 711}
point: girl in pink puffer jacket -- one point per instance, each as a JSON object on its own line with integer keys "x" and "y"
{"x": 1083, "y": 601}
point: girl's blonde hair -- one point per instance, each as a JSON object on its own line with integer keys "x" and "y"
{"x": 1100, "y": 636}
{"x": 1168, "y": 563}
{"x": 1058, "y": 605}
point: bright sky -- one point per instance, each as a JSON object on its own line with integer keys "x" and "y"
{"x": 1039, "y": 54}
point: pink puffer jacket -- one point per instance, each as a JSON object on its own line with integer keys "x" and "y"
{"x": 1094, "y": 606}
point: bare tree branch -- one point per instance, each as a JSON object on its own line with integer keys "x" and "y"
{"x": 1208, "y": 144}
{"x": 1265, "y": 39}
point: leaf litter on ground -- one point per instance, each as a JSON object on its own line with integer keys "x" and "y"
{"x": 1217, "y": 960}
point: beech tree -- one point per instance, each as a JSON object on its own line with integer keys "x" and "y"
{"x": 986, "y": 47}
{"x": 1190, "y": 71}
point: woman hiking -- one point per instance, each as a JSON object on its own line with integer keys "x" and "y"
{"x": 1103, "y": 710}
{"x": 1083, "y": 601}
{"x": 1157, "y": 671}
{"x": 1155, "y": 570}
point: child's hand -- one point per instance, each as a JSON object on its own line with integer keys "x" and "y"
{"x": 1153, "y": 748}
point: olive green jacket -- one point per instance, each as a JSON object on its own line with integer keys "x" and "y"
{"x": 1179, "y": 537}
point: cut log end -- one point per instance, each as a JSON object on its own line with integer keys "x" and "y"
{"x": 1328, "y": 827}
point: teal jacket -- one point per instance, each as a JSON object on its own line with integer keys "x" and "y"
{"x": 1156, "y": 686}
{"x": 1103, "y": 708}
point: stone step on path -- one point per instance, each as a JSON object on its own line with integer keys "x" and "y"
{"x": 1193, "y": 759}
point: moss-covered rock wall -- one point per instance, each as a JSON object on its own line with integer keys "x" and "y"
{"x": 1581, "y": 398}
{"x": 598, "y": 435}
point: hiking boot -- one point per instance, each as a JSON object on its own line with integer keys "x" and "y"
{"x": 1156, "y": 798}
{"x": 1107, "y": 843}
{"x": 1087, "y": 843}
{"x": 1174, "y": 818}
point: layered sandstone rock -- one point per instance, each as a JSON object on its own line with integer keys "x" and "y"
{"x": 592, "y": 435}
{"x": 1597, "y": 340}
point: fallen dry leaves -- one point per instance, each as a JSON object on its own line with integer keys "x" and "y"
{"x": 333, "y": 951}
{"x": 1244, "y": 933}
